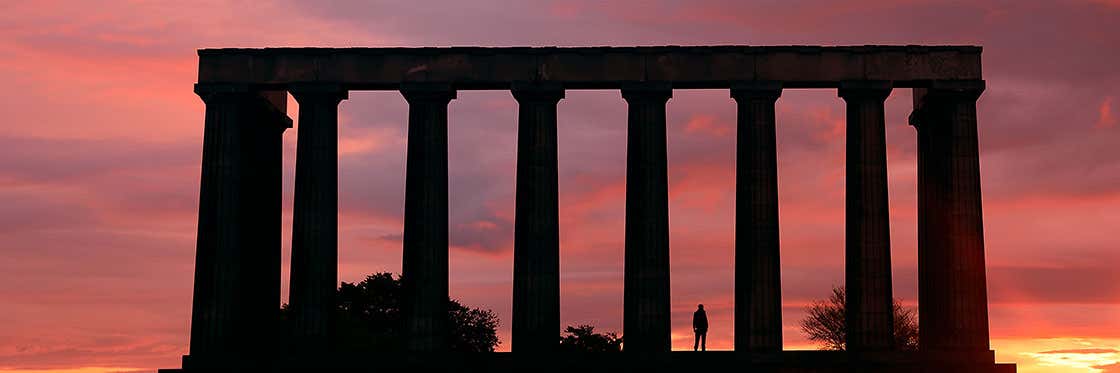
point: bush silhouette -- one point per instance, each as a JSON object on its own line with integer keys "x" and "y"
{"x": 583, "y": 338}
{"x": 824, "y": 323}
{"x": 368, "y": 318}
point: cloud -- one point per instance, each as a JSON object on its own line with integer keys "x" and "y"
{"x": 707, "y": 124}
{"x": 1114, "y": 367}
{"x": 1095, "y": 359}
{"x": 1066, "y": 284}
{"x": 1082, "y": 351}
{"x": 1106, "y": 119}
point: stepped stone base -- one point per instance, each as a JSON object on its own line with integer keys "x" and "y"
{"x": 680, "y": 361}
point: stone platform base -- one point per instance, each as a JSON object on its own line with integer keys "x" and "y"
{"x": 711, "y": 361}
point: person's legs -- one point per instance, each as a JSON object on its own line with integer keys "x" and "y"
{"x": 704, "y": 341}
{"x": 696, "y": 344}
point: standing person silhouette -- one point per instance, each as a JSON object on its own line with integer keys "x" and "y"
{"x": 700, "y": 327}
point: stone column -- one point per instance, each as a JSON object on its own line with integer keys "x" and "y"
{"x": 536, "y": 242}
{"x": 952, "y": 286}
{"x": 646, "y": 308}
{"x": 867, "y": 233}
{"x": 758, "y": 279}
{"x": 234, "y": 309}
{"x": 260, "y": 288}
{"x": 425, "y": 264}
{"x": 314, "y": 275}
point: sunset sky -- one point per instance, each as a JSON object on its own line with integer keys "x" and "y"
{"x": 100, "y": 152}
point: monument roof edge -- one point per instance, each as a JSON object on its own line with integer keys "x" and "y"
{"x": 585, "y": 49}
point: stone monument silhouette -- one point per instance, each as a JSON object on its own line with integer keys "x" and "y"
{"x": 237, "y": 274}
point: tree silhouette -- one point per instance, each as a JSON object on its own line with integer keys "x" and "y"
{"x": 368, "y": 318}
{"x": 472, "y": 329}
{"x": 583, "y": 338}
{"x": 824, "y": 323}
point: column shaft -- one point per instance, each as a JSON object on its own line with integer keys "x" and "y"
{"x": 425, "y": 264}
{"x": 646, "y": 314}
{"x": 953, "y": 311}
{"x": 758, "y": 288}
{"x": 536, "y": 247}
{"x": 262, "y": 248}
{"x": 314, "y": 267}
{"x": 234, "y": 312}
{"x": 867, "y": 234}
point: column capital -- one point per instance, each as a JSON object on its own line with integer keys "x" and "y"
{"x": 313, "y": 91}
{"x": 647, "y": 91}
{"x": 942, "y": 90}
{"x": 756, "y": 89}
{"x": 244, "y": 94}
{"x": 418, "y": 91}
{"x": 206, "y": 91}
{"x": 279, "y": 117}
{"x": 878, "y": 89}
{"x": 917, "y": 117}
{"x": 956, "y": 89}
{"x": 537, "y": 91}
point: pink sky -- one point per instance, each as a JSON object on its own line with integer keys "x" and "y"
{"x": 101, "y": 146}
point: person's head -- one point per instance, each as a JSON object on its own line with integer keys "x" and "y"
{"x": 700, "y": 307}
